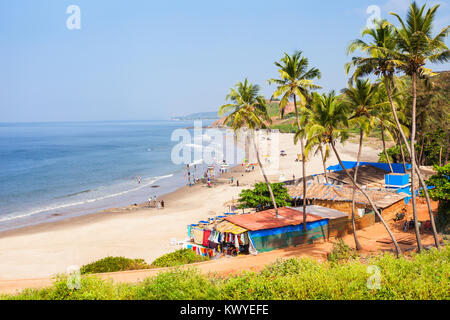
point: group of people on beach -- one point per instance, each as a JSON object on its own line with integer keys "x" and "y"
{"x": 154, "y": 202}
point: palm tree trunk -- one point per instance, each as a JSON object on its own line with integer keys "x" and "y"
{"x": 384, "y": 149}
{"x": 413, "y": 162}
{"x": 447, "y": 149}
{"x": 264, "y": 175}
{"x": 420, "y": 162}
{"x": 401, "y": 151}
{"x": 323, "y": 162}
{"x": 419, "y": 174}
{"x": 303, "y": 164}
{"x": 397, "y": 248}
{"x": 357, "y": 244}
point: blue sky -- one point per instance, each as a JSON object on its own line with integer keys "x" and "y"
{"x": 143, "y": 60}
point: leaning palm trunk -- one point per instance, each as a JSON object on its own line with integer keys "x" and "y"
{"x": 400, "y": 143}
{"x": 264, "y": 175}
{"x": 384, "y": 149}
{"x": 419, "y": 174}
{"x": 397, "y": 248}
{"x": 303, "y": 164}
{"x": 413, "y": 163}
{"x": 323, "y": 162}
{"x": 357, "y": 244}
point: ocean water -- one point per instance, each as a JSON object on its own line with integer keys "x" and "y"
{"x": 51, "y": 171}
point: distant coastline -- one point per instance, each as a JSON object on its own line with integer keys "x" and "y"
{"x": 198, "y": 116}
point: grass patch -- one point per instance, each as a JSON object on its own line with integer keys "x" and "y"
{"x": 113, "y": 264}
{"x": 423, "y": 276}
{"x": 178, "y": 258}
{"x": 285, "y": 127}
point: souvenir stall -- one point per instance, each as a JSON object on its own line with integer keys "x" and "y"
{"x": 216, "y": 237}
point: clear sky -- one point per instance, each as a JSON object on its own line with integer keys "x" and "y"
{"x": 143, "y": 59}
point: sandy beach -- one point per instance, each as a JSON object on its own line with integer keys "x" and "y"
{"x": 138, "y": 232}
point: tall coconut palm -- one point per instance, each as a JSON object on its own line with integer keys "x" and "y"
{"x": 248, "y": 109}
{"x": 329, "y": 119}
{"x": 383, "y": 60}
{"x": 362, "y": 103}
{"x": 296, "y": 81}
{"x": 385, "y": 120}
{"x": 416, "y": 46}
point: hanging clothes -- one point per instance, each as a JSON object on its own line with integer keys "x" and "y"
{"x": 206, "y": 235}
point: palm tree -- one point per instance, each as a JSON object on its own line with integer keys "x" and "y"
{"x": 361, "y": 101}
{"x": 329, "y": 119}
{"x": 384, "y": 119}
{"x": 296, "y": 80}
{"x": 383, "y": 60}
{"x": 248, "y": 109}
{"x": 416, "y": 47}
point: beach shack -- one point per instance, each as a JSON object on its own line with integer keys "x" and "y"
{"x": 266, "y": 232}
{"x": 339, "y": 197}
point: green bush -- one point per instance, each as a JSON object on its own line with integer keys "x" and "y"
{"x": 341, "y": 251}
{"x": 260, "y": 196}
{"x": 178, "y": 258}
{"x": 423, "y": 276}
{"x": 112, "y": 264}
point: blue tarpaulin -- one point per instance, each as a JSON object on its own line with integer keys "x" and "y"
{"x": 397, "y": 167}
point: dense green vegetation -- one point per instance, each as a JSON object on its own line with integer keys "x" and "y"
{"x": 433, "y": 116}
{"x": 178, "y": 258}
{"x": 441, "y": 192}
{"x": 113, "y": 264}
{"x": 260, "y": 196}
{"x": 421, "y": 276}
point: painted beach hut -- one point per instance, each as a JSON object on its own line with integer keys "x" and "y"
{"x": 266, "y": 232}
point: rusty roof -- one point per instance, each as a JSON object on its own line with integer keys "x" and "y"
{"x": 316, "y": 191}
{"x": 267, "y": 220}
{"x": 367, "y": 175}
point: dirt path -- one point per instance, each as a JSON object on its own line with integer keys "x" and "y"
{"x": 225, "y": 266}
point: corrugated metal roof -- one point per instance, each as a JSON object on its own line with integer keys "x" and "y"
{"x": 316, "y": 191}
{"x": 322, "y": 212}
{"x": 267, "y": 220}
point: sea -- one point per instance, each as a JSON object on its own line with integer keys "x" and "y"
{"x": 53, "y": 171}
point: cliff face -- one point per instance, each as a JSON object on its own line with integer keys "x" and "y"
{"x": 218, "y": 123}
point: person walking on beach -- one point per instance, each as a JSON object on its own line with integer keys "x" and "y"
{"x": 162, "y": 204}
{"x": 139, "y": 179}
{"x": 237, "y": 183}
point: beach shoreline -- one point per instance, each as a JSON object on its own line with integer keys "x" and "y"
{"x": 136, "y": 231}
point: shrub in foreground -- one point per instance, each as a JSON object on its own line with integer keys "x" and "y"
{"x": 422, "y": 276}
{"x": 113, "y": 264}
{"x": 178, "y": 258}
